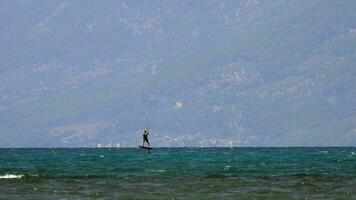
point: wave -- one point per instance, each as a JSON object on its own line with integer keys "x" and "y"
{"x": 11, "y": 176}
{"x": 158, "y": 170}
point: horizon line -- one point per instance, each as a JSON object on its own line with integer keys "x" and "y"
{"x": 195, "y": 147}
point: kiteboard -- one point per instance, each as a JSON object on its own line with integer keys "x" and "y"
{"x": 143, "y": 147}
{"x": 148, "y": 148}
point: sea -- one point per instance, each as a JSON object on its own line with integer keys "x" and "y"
{"x": 178, "y": 173}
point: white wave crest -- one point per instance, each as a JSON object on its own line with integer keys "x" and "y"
{"x": 159, "y": 170}
{"x": 11, "y": 176}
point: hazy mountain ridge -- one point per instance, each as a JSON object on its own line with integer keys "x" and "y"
{"x": 220, "y": 73}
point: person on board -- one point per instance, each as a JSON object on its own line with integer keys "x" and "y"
{"x": 145, "y": 138}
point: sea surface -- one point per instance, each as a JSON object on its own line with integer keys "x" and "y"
{"x": 178, "y": 173}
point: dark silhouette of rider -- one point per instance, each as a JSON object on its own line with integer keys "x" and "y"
{"x": 145, "y": 137}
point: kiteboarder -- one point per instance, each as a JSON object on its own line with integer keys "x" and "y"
{"x": 145, "y": 138}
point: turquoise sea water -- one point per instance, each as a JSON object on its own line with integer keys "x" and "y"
{"x": 178, "y": 173}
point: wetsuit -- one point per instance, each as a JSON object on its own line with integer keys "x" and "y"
{"x": 145, "y": 138}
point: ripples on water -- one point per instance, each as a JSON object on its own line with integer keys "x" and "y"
{"x": 195, "y": 173}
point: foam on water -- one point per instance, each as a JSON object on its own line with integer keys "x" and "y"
{"x": 227, "y": 167}
{"x": 158, "y": 170}
{"x": 11, "y": 176}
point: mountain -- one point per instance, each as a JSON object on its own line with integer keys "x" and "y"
{"x": 197, "y": 73}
